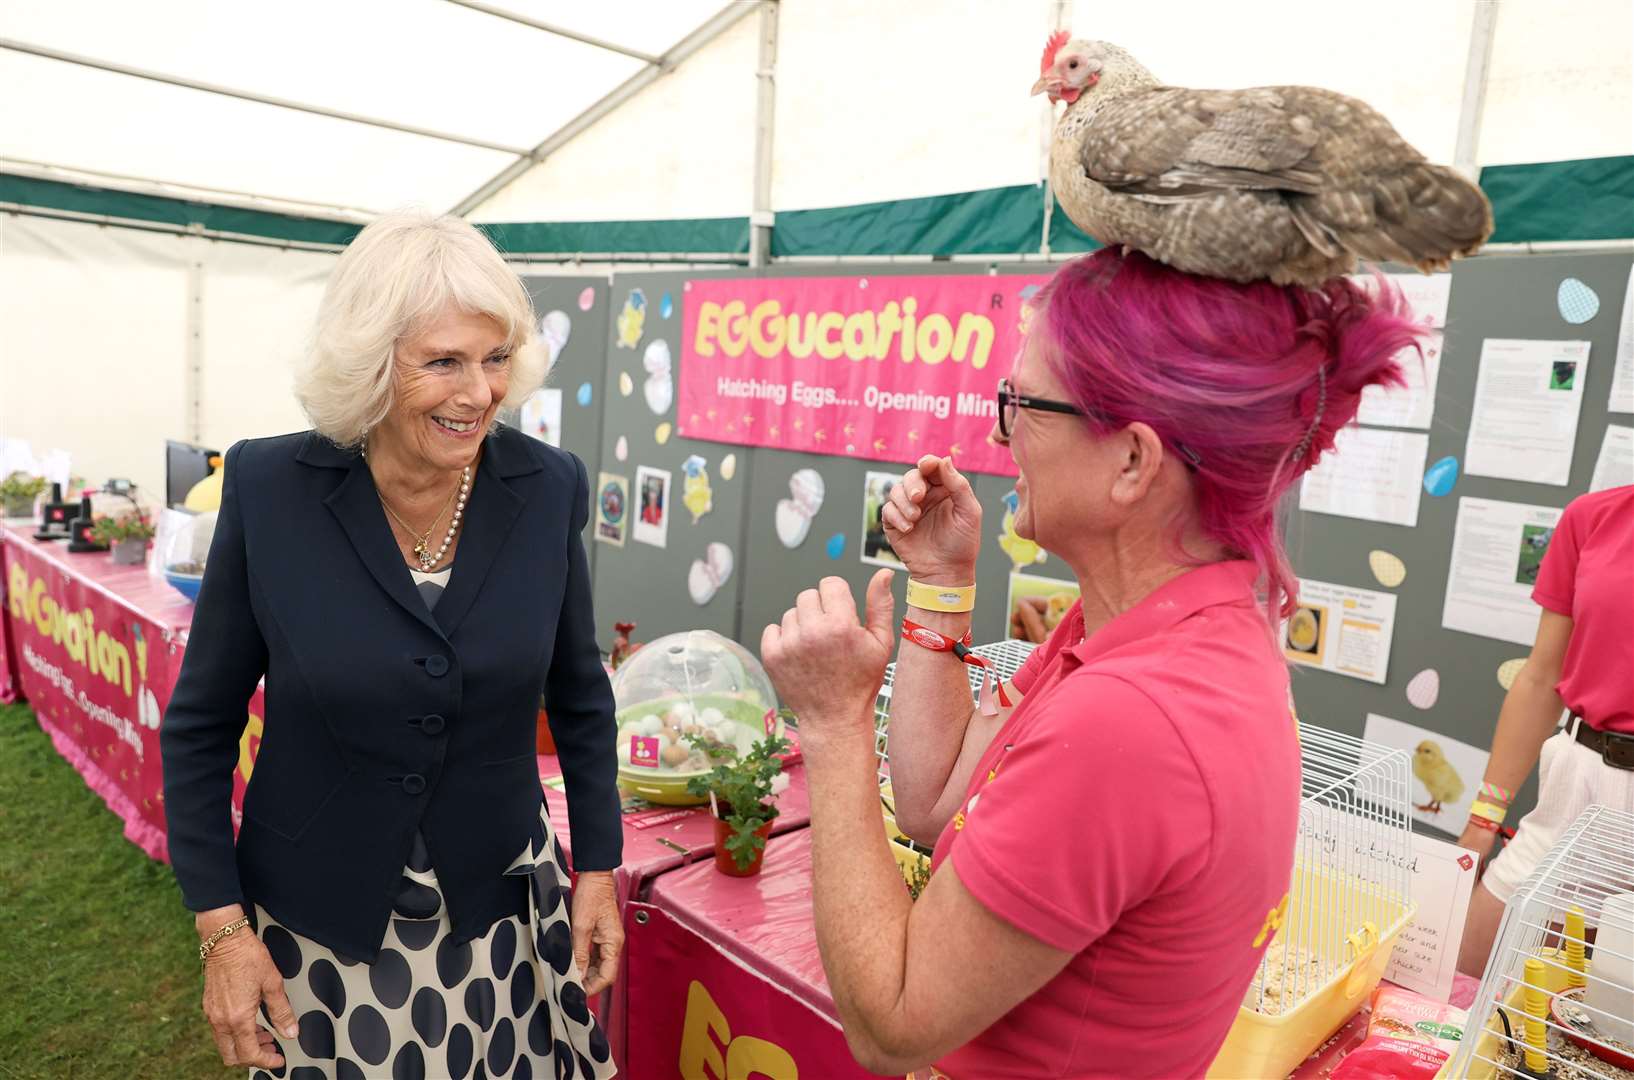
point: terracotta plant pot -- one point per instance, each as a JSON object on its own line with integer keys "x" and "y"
{"x": 131, "y": 552}
{"x": 543, "y": 741}
{"x": 723, "y": 858}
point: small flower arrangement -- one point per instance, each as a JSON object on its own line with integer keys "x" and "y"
{"x": 112, "y": 530}
{"x": 741, "y": 787}
{"x": 18, "y": 492}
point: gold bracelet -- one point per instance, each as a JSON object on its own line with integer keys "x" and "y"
{"x": 1491, "y": 811}
{"x": 209, "y": 943}
{"x": 953, "y": 598}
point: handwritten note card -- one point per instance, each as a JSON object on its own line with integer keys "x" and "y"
{"x": 1426, "y": 955}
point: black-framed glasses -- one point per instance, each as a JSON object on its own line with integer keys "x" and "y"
{"x": 1009, "y": 402}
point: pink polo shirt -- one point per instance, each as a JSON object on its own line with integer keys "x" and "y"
{"x": 1138, "y": 809}
{"x": 1588, "y": 574}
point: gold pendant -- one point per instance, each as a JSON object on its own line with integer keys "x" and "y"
{"x": 420, "y": 550}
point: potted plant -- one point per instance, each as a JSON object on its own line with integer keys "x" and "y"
{"x": 741, "y": 788}
{"x": 18, "y": 492}
{"x": 127, "y": 537}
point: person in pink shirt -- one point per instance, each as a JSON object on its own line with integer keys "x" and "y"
{"x": 1115, "y": 830}
{"x": 1581, "y": 667}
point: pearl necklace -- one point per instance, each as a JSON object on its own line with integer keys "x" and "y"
{"x": 427, "y": 561}
{"x": 422, "y": 552}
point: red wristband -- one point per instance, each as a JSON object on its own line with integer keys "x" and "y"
{"x": 935, "y": 641}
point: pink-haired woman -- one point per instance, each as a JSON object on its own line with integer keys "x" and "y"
{"x": 1114, "y": 841}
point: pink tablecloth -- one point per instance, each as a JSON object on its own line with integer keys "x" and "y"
{"x": 96, "y": 648}
{"x": 658, "y": 841}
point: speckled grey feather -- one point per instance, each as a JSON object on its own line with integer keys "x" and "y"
{"x": 1288, "y": 183}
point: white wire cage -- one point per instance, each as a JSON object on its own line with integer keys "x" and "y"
{"x": 1006, "y": 658}
{"x": 1558, "y": 995}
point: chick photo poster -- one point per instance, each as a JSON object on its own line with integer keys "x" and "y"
{"x": 885, "y": 368}
{"x": 1447, "y": 773}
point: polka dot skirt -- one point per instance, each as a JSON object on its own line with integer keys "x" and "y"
{"x": 509, "y": 1004}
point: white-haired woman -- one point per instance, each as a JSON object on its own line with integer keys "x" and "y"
{"x": 408, "y": 579}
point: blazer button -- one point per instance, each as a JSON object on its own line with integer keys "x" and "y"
{"x": 414, "y": 783}
{"x": 437, "y": 666}
{"x": 432, "y": 725}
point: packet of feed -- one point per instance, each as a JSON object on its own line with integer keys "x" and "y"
{"x": 1409, "y": 1037}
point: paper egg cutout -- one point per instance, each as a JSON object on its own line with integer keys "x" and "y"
{"x": 1440, "y": 477}
{"x": 554, "y": 330}
{"x": 585, "y": 393}
{"x": 660, "y": 434}
{"x": 621, "y": 449}
{"x": 792, "y": 526}
{"x": 660, "y": 394}
{"x": 587, "y": 298}
{"x": 729, "y": 466}
{"x": 666, "y": 306}
{"x": 659, "y": 389}
{"x": 1577, "y": 302}
{"x": 709, "y": 573}
{"x": 836, "y": 545}
{"x": 626, "y": 385}
{"x": 794, "y": 514}
{"x": 1388, "y": 569}
{"x": 1424, "y": 688}
{"x": 1508, "y": 670}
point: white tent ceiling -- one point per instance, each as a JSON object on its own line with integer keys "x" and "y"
{"x": 427, "y": 64}
{"x": 874, "y": 100}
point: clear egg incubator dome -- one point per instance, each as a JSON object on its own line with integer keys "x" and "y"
{"x": 697, "y": 684}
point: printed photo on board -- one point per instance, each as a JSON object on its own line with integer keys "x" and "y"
{"x": 541, "y": 416}
{"x": 876, "y": 490}
{"x": 612, "y": 502}
{"x": 1305, "y": 633}
{"x": 651, "y": 525}
{"x": 1037, "y": 606}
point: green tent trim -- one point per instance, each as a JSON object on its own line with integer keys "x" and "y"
{"x": 1587, "y": 199}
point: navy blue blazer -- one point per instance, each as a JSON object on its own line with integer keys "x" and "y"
{"x": 383, "y": 717}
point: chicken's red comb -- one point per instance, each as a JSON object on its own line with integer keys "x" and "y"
{"x": 1051, "y": 47}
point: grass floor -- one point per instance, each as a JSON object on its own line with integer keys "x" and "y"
{"x": 98, "y": 968}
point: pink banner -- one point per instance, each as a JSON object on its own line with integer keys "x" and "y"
{"x": 884, "y": 368}
{"x": 97, "y": 649}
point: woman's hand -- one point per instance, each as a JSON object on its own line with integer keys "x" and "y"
{"x": 238, "y": 976}
{"x": 597, "y": 927}
{"x": 827, "y": 665}
{"x": 934, "y": 523}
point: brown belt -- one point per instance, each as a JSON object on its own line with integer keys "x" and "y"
{"x": 1614, "y": 748}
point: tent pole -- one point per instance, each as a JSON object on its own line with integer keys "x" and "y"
{"x": 723, "y": 21}
{"x": 1481, "y": 34}
{"x": 194, "y": 376}
{"x": 1058, "y": 21}
{"x": 559, "y": 31}
{"x": 13, "y": 45}
{"x": 761, "y": 219}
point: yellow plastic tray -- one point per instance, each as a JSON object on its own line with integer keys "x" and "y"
{"x": 1261, "y": 1045}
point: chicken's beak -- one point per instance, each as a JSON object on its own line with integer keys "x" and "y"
{"x": 1044, "y": 83}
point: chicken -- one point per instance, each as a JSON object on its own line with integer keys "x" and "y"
{"x": 1437, "y": 775}
{"x": 1288, "y": 183}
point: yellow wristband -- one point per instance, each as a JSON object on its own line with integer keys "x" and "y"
{"x": 1491, "y": 812}
{"x": 941, "y": 597}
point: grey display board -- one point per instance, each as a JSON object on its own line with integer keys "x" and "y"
{"x": 638, "y": 582}
{"x": 580, "y": 362}
{"x": 1492, "y": 297}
